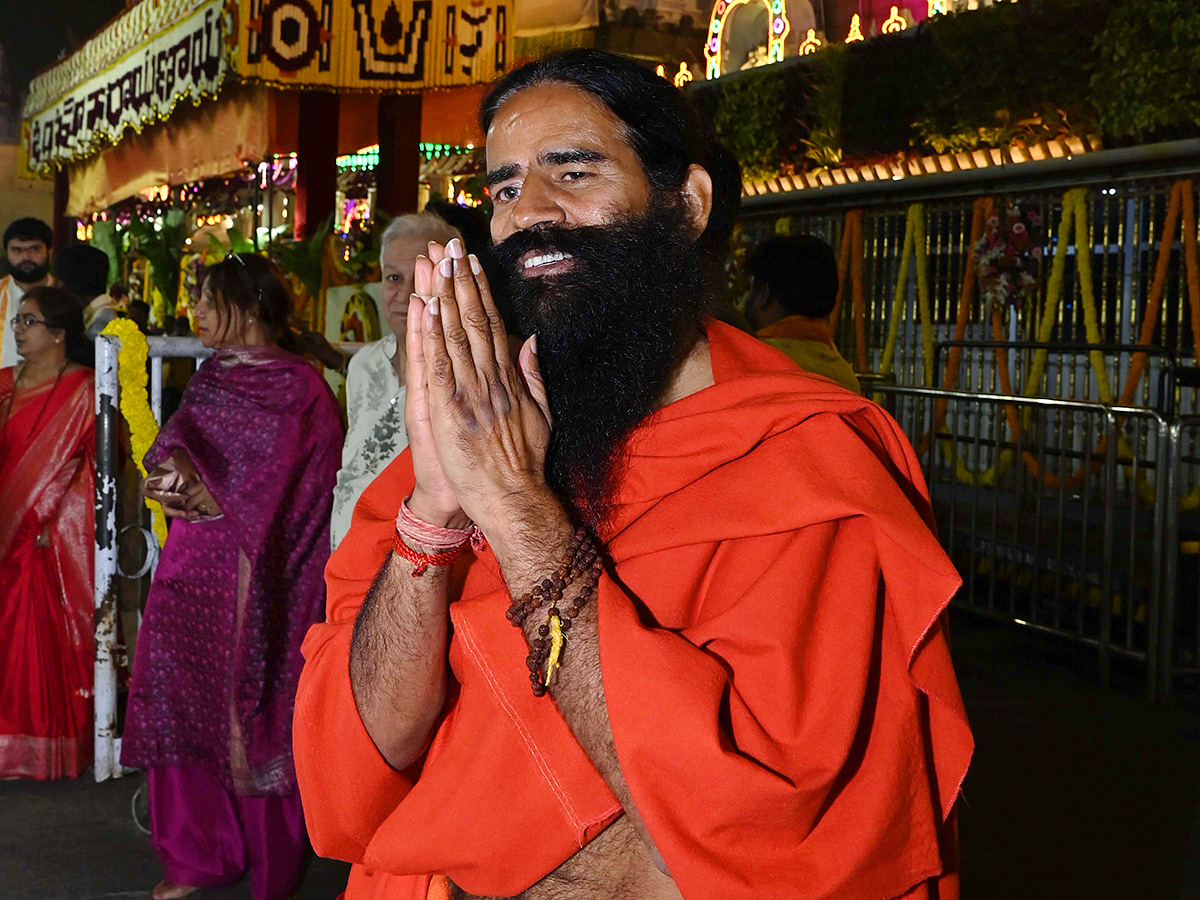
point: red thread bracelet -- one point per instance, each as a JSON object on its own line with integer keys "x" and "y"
{"x": 422, "y": 561}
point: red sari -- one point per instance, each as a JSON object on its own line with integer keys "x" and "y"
{"x": 46, "y": 648}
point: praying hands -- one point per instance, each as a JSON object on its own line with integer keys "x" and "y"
{"x": 478, "y": 422}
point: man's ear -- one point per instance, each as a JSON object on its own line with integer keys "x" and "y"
{"x": 698, "y": 195}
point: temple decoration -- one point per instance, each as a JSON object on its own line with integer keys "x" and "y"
{"x": 811, "y": 44}
{"x": 160, "y": 56}
{"x": 895, "y": 23}
{"x": 855, "y": 30}
{"x": 777, "y": 30}
{"x": 660, "y": 70}
{"x": 683, "y": 76}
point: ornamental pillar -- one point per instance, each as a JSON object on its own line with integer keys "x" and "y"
{"x": 316, "y": 164}
{"x": 399, "y": 171}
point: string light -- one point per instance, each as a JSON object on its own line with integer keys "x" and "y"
{"x": 660, "y": 70}
{"x": 810, "y": 44}
{"x": 937, "y": 8}
{"x": 777, "y": 31}
{"x": 855, "y": 30}
{"x": 683, "y": 76}
{"x": 895, "y": 22}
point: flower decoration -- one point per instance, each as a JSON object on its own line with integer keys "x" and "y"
{"x": 1008, "y": 256}
{"x": 135, "y": 404}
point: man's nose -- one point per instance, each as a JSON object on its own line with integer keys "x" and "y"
{"x": 537, "y": 204}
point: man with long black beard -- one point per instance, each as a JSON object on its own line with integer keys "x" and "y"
{"x": 27, "y": 244}
{"x": 646, "y": 613}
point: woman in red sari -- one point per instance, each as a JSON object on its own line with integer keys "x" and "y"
{"x": 47, "y": 438}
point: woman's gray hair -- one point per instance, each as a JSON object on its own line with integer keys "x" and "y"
{"x": 419, "y": 226}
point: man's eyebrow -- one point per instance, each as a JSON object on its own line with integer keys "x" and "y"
{"x": 566, "y": 157}
{"x": 503, "y": 173}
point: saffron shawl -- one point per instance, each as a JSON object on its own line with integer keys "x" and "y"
{"x": 774, "y": 658}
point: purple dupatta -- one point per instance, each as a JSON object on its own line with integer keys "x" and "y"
{"x": 218, "y": 655}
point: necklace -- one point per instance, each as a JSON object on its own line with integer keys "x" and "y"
{"x": 13, "y": 396}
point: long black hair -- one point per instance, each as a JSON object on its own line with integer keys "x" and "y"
{"x": 254, "y": 285}
{"x": 664, "y": 128}
{"x": 62, "y": 311}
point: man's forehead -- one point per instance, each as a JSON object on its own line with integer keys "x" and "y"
{"x": 551, "y": 118}
{"x": 26, "y": 244}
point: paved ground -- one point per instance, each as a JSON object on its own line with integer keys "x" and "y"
{"x": 1076, "y": 791}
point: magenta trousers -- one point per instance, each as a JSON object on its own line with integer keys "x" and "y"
{"x": 208, "y": 837}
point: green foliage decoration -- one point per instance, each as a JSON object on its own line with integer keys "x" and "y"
{"x": 106, "y": 238}
{"x": 162, "y": 248}
{"x": 303, "y": 258}
{"x": 1148, "y": 81}
{"x": 747, "y": 121}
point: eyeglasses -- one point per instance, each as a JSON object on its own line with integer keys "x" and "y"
{"x": 25, "y": 321}
{"x": 237, "y": 257}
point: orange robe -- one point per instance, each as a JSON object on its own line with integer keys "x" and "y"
{"x": 774, "y": 659}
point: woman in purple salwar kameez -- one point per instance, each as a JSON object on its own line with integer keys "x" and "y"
{"x": 246, "y": 468}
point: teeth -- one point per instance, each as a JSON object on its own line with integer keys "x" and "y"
{"x": 546, "y": 259}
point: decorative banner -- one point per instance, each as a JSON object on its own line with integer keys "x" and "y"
{"x": 377, "y": 45}
{"x": 184, "y": 59}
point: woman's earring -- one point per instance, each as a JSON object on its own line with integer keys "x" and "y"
{"x": 252, "y": 320}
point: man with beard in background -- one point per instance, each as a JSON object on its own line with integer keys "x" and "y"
{"x": 729, "y": 675}
{"x": 27, "y": 244}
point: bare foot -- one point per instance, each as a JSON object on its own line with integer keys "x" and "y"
{"x": 169, "y": 890}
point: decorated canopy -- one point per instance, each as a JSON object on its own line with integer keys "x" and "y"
{"x": 159, "y": 56}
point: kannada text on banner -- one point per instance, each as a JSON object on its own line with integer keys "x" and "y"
{"x": 187, "y": 60}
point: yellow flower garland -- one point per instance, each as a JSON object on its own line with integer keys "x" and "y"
{"x": 1075, "y": 218}
{"x": 915, "y": 247}
{"x": 135, "y": 404}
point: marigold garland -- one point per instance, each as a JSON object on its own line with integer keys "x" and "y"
{"x": 915, "y": 247}
{"x": 135, "y": 404}
{"x": 1076, "y": 217}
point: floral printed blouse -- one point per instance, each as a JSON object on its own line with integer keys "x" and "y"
{"x": 375, "y": 433}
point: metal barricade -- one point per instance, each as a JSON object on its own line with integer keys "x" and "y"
{"x": 1181, "y": 631}
{"x": 1068, "y": 371}
{"x": 106, "y": 568}
{"x": 107, "y": 743}
{"x": 1052, "y": 510}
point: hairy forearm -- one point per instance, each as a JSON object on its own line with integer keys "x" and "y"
{"x": 532, "y": 551}
{"x": 398, "y": 658}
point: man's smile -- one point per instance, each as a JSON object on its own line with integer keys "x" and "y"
{"x": 552, "y": 262}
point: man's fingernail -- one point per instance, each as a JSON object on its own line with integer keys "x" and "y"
{"x": 422, "y": 256}
{"x": 432, "y": 305}
{"x": 446, "y": 267}
{"x": 475, "y": 266}
{"x": 413, "y": 296}
{"x": 455, "y": 248}
{"x": 533, "y": 345}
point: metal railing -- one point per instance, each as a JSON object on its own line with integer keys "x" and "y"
{"x": 1068, "y": 372}
{"x": 107, "y": 742}
{"x": 1066, "y": 524}
{"x": 1126, "y": 216}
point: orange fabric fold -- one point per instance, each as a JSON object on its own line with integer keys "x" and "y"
{"x": 774, "y": 658}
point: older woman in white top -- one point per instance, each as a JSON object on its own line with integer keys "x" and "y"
{"x": 375, "y": 379}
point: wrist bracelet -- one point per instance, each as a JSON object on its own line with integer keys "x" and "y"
{"x": 582, "y": 566}
{"x": 447, "y": 543}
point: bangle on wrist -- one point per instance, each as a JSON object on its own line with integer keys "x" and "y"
{"x": 446, "y": 544}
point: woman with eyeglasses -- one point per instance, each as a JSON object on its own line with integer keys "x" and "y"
{"x": 47, "y": 439}
{"x": 246, "y": 469}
